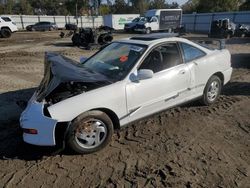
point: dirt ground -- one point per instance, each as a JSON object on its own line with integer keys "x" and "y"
{"x": 188, "y": 146}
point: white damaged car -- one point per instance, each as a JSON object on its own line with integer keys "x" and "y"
{"x": 83, "y": 103}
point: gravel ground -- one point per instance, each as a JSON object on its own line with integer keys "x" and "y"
{"x": 187, "y": 146}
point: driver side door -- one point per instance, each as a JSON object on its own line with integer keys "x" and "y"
{"x": 154, "y": 24}
{"x": 168, "y": 86}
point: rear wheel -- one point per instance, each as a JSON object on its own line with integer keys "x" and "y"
{"x": 212, "y": 90}
{"x": 90, "y": 132}
{"x": 5, "y": 33}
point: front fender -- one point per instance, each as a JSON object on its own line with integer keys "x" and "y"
{"x": 112, "y": 97}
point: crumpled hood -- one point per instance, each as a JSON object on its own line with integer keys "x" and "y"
{"x": 67, "y": 69}
{"x": 59, "y": 69}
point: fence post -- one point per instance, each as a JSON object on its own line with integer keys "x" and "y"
{"x": 38, "y": 18}
{"x": 194, "y": 26}
{"x": 81, "y": 21}
{"x": 234, "y": 16}
{"x": 21, "y": 18}
{"x": 54, "y": 19}
{"x": 212, "y": 17}
{"x": 93, "y": 21}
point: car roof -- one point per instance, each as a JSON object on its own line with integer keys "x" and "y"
{"x": 157, "y": 38}
{"x": 152, "y": 39}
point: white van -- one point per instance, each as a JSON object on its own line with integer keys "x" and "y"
{"x": 160, "y": 19}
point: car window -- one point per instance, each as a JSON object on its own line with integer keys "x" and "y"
{"x": 162, "y": 57}
{"x": 116, "y": 60}
{"x": 191, "y": 53}
{"x": 42, "y": 23}
{"x": 6, "y": 19}
{"x": 153, "y": 20}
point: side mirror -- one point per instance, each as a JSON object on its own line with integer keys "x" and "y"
{"x": 83, "y": 59}
{"x": 144, "y": 74}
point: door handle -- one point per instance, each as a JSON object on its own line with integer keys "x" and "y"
{"x": 195, "y": 63}
{"x": 182, "y": 72}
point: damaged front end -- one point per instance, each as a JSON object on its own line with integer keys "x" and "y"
{"x": 63, "y": 78}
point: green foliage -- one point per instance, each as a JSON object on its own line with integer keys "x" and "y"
{"x": 68, "y": 7}
{"x": 140, "y": 6}
{"x": 22, "y": 7}
{"x": 8, "y": 7}
{"x": 245, "y": 6}
{"x": 104, "y": 9}
{"x": 217, "y": 5}
{"x": 200, "y": 6}
{"x": 190, "y": 6}
{"x": 158, "y": 4}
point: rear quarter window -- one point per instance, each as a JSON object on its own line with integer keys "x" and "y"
{"x": 190, "y": 52}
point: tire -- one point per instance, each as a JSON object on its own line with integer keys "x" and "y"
{"x": 90, "y": 132}
{"x": 148, "y": 30}
{"x": 242, "y": 35}
{"x": 76, "y": 39}
{"x": 5, "y": 33}
{"x": 211, "y": 91}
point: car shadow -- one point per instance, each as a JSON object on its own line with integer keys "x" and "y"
{"x": 11, "y": 143}
{"x": 238, "y": 40}
{"x": 241, "y": 60}
{"x": 63, "y": 44}
{"x": 237, "y": 88}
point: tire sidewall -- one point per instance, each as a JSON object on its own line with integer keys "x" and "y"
{"x": 70, "y": 138}
{"x": 205, "y": 99}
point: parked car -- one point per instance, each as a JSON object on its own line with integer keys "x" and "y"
{"x": 7, "y": 26}
{"x": 160, "y": 20}
{"x": 129, "y": 27}
{"x": 42, "y": 26}
{"x": 129, "y": 79}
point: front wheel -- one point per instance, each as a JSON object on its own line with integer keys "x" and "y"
{"x": 148, "y": 30}
{"x": 212, "y": 90}
{"x": 90, "y": 132}
{"x": 5, "y": 33}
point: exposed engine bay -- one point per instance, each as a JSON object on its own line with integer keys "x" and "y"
{"x": 63, "y": 78}
{"x": 70, "y": 89}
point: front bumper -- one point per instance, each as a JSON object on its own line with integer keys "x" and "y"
{"x": 128, "y": 28}
{"x": 34, "y": 118}
{"x": 140, "y": 30}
